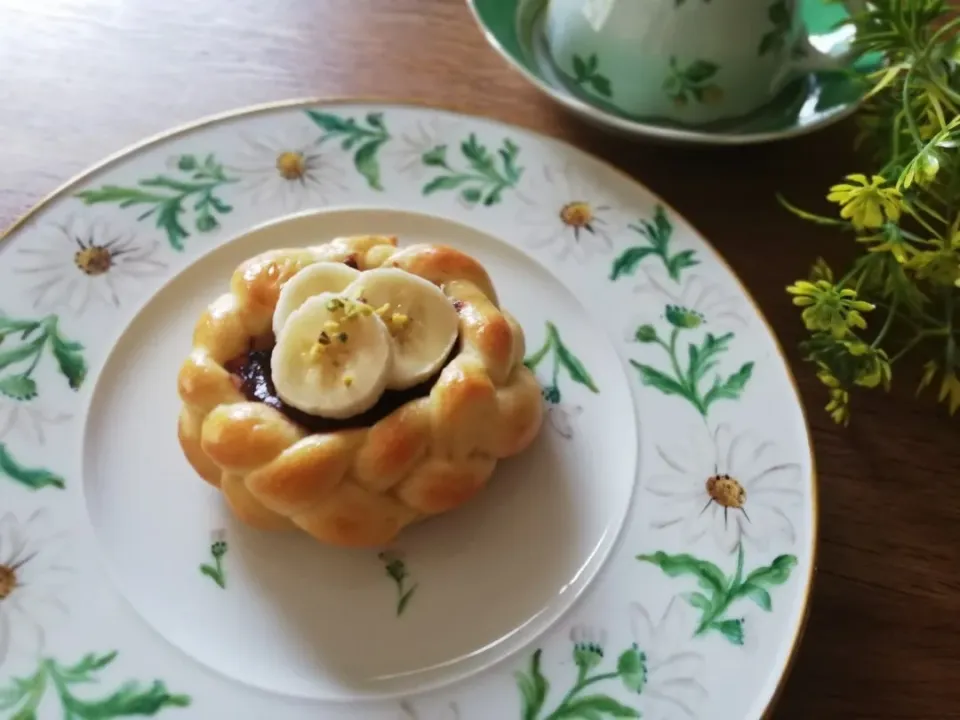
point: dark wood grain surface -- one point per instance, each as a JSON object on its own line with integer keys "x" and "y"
{"x": 80, "y": 79}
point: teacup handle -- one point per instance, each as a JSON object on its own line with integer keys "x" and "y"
{"x": 815, "y": 60}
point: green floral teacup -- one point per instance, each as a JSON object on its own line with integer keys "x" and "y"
{"x": 687, "y": 61}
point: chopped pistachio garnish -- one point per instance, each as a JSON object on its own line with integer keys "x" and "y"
{"x": 334, "y": 304}
{"x": 399, "y": 321}
{"x": 348, "y": 380}
{"x": 331, "y": 326}
{"x": 383, "y": 309}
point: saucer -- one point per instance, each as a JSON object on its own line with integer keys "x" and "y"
{"x": 515, "y": 29}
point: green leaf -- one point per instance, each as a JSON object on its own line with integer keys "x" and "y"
{"x": 328, "y": 122}
{"x": 818, "y": 219}
{"x": 655, "y": 378}
{"x": 682, "y": 260}
{"x": 375, "y": 119}
{"x": 69, "y": 359}
{"x": 632, "y": 669}
{"x": 732, "y": 630}
{"x": 130, "y": 699}
{"x": 709, "y": 576}
{"x": 475, "y": 152}
{"x": 18, "y": 387}
{"x": 21, "y": 352}
{"x": 570, "y": 362}
{"x": 9, "y": 325}
{"x": 699, "y": 71}
{"x": 168, "y": 220}
{"x": 471, "y": 195}
{"x": 444, "y": 182}
{"x": 32, "y": 478}
{"x": 124, "y": 196}
{"x": 580, "y": 71}
{"x": 367, "y": 164}
{"x": 662, "y": 228}
{"x": 601, "y": 83}
{"x": 404, "y": 599}
{"x": 436, "y": 157}
{"x": 215, "y": 575}
{"x": 698, "y": 600}
{"x": 89, "y": 664}
{"x": 703, "y": 358}
{"x": 756, "y": 593}
{"x": 595, "y": 706}
{"x": 777, "y": 573}
{"x": 629, "y": 260}
{"x": 731, "y": 388}
{"x": 533, "y": 688}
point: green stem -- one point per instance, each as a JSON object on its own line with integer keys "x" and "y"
{"x": 534, "y": 360}
{"x": 919, "y": 337}
{"x": 581, "y": 684}
{"x": 891, "y": 313}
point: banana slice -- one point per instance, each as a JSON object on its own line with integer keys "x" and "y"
{"x": 314, "y": 279}
{"x": 421, "y": 319}
{"x": 333, "y": 357}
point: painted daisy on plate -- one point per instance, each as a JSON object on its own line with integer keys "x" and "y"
{"x": 406, "y": 151}
{"x": 30, "y": 582}
{"x": 27, "y": 418}
{"x": 733, "y": 487}
{"x": 671, "y": 689}
{"x": 713, "y": 307}
{"x": 566, "y": 212}
{"x": 291, "y": 169}
{"x": 449, "y": 712}
{"x": 79, "y": 263}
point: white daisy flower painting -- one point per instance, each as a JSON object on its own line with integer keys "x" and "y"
{"x": 671, "y": 690}
{"x": 28, "y": 419}
{"x": 729, "y": 487}
{"x": 82, "y": 263}
{"x": 405, "y": 153}
{"x": 292, "y": 170}
{"x": 31, "y": 581}
{"x": 717, "y": 310}
{"x": 565, "y": 213}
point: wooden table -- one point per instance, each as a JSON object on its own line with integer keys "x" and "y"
{"x": 83, "y": 78}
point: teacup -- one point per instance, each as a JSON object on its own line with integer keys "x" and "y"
{"x": 686, "y": 61}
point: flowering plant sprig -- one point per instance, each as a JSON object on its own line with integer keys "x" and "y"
{"x": 902, "y": 293}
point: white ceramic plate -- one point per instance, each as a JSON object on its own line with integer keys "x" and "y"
{"x": 650, "y": 555}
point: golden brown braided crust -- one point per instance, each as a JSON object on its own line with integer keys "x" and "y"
{"x": 357, "y": 487}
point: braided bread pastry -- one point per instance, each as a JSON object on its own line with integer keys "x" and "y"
{"x": 353, "y": 483}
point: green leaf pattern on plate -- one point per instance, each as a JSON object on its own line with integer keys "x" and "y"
{"x": 193, "y": 186}
{"x": 686, "y": 380}
{"x": 534, "y": 687}
{"x": 657, "y": 233}
{"x": 30, "y": 478}
{"x": 718, "y": 591}
{"x": 214, "y": 570}
{"x": 364, "y": 139}
{"x": 23, "y": 344}
{"x": 396, "y": 570}
{"x": 24, "y": 695}
{"x": 486, "y": 179}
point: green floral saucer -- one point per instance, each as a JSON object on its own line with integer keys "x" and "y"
{"x": 515, "y": 29}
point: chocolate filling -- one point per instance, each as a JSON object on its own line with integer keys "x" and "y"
{"x": 256, "y": 383}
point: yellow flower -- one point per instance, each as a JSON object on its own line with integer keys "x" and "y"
{"x": 941, "y": 266}
{"x": 829, "y": 308}
{"x": 839, "y": 405}
{"x": 950, "y": 391}
{"x": 866, "y": 202}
